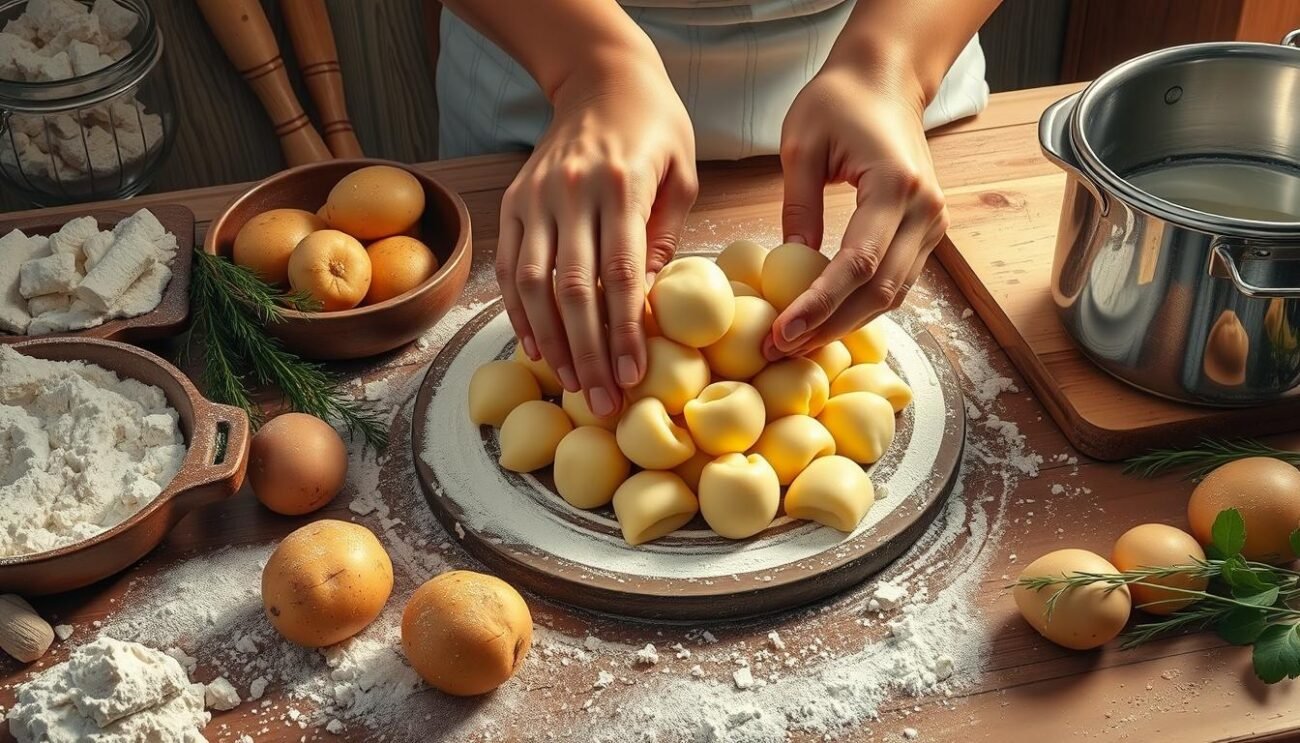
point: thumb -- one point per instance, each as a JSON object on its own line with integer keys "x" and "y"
{"x": 668, "y": 216}
{"x": 805, "y": 181}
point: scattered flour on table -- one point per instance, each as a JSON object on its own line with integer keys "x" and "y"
{"x": 81, "y": 450}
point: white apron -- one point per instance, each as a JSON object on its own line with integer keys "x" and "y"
{"x": 736, "y": 64}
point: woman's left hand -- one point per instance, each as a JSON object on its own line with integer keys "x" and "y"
{"x": 862, "y": 126}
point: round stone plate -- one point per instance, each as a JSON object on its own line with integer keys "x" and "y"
{"x": 522, "y": 530}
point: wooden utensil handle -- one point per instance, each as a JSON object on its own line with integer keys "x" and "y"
{"x": 318, "y": 61}
{"x": 244, "y": 33}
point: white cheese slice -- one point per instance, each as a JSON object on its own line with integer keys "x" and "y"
{"x": 49, "y": 275}
{"x": 44, "y": 303}
{"x": 16, "y": 249}
{"x": 128, "y": 259}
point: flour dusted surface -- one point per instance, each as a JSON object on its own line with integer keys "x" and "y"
{"x": 81, "y": 450}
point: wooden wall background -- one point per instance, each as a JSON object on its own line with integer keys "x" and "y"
{"x": 384, "y": 49}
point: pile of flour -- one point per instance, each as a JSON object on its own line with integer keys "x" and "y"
{"x": 81, "y": 450}
{"x": 111, "y": 692}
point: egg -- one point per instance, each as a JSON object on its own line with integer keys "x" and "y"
{"x": 1265, "y": 491}
{"x": 374, "y": 202}
{"x": 398, "y": 264}
{"x": 1084, "y": 617}
{"x": 296, "y": 464}
{"x": 1159, "y": 546}
{"x": 265, "y": 242}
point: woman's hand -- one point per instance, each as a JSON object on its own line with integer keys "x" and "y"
{"x": 860, "y": 124}
{"x": 602, "y": 198}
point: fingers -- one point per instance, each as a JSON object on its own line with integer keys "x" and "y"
{"x": 511, "y": 233}
{"x": 576, "y": 270}
{"x": 672, "y": 203}
{"x": 622, "y": 273}
{"x": 804, "y": 168}
{"x": 536, "y": 286}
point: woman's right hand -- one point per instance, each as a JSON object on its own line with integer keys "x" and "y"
{"x": 603, "y": 198}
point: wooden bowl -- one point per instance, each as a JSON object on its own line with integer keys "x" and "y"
{"x": 208, "y": 473}
{"x": 376, "y": 328}
{"x": 172, "y": 313}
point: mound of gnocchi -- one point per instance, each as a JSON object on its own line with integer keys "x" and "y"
{"x": 713, "y": 430}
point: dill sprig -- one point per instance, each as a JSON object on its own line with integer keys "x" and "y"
{"x": 1203, "y": 458}
{"x": 231, "y": 307}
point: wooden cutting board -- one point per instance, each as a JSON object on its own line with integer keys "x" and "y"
{"x": 999, "y": 252}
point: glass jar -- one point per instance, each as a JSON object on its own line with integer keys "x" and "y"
{"x": 90, "y": 137}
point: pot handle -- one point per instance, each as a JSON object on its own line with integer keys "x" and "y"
{"x": 223, "y": 442}
{"x": 1292, "y": 39}
{"x": 1054, "y": 139}
{"x": 1225, "y": 260}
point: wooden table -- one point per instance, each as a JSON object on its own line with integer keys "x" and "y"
{"x": 1186, "y": 689}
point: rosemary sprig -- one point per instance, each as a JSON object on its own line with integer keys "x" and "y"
{"x": 1202, "y": 459}
{"x": 231, "y": 307}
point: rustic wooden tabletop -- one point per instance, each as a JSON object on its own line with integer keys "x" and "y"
{"x": 1010, "y": 684}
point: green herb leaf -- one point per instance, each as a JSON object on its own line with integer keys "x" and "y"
{"x": 1264, "y": 598}
{"x": 1204, "y": 458}
{"x": 1244, "y": 580}
{"x": 1214, "y": 553}
{"x": 1277, "y": 653}
{"x": 1295, "y": 542}
{"x": 1229, "y": 532}
{"x": 1241, "y": 626}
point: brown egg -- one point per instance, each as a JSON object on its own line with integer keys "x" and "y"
{"x": 1084, "y": 617}
{"x": 296, "y": 464}
{"x": 1159, "y": 546}
{"x": 374, "y": 202}
{"x": 398, "y": 264}
{"x": 1267, "y": 493}
{"x": 466, "y": 633}
{"x": 266, "y": 241}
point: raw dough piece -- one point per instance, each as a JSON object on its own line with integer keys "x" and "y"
{"x": 726, "y": 417}
{"x": 575, "y": 404}
{"x": 692, "y": 301}
{"x": 833, "y": 358}
{"x": 531, "y": 434}
{"x": 650, "y": 438}
{"x": 834, "y": 491}
{"x": 742, "y": 262}
{"x": 648, "y": 322}
{"x": 589, "y": 467}
{"x": 744, "y": 290}
{"x": 739, "y": 353}
{"x": 788, "y": 271}
{"x": 789, "y": 444}
{"x": 497, "y": 388}
{"x": 674, "y": 373}
{"x": 877, "y": 378}
{"x": 653, "y": 504}
{"x": 691, "y": 469}
{"x": 867, "y": 344}
{"x": 545, "y": 375}
{"x": 794, "y": 386}
{"x": 739, "y": 495}
{"x": 862, "y": 424}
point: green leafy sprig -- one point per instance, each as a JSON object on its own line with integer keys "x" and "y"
{"x": 1205, "y": 457}
{"x": 1246, "y": 602}
{"x": 231, "y": 307}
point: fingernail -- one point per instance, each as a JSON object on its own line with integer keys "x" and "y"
{"x": 626, "y": 370}
{"x": 770, "y": 351}
{"x": 530, "y": 348}
{"x": 601, "y": 402}
{"x": 796, "y": 239}
{"x": 794, "y": 329}
{"x": 568, "y": 378}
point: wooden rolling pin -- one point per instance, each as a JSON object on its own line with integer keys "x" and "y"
{"x": 244, "y": 33}
{"x": 318, "y": 61}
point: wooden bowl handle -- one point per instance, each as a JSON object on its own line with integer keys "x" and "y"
{"x": 214, "y": 480}
{"x": 318, "y": 61}
{"x": 244, "y": 33}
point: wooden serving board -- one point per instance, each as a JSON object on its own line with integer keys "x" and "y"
{"x": 521, "y": 528}
{"x": 999, "y": 252}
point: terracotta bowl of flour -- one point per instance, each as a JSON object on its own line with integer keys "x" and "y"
{"x": 216, "y": 441}
{"x": 370, "y": 329}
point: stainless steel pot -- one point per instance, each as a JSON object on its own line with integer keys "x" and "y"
{"x": 1193, "y": 305}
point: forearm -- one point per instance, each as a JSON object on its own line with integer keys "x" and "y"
{"x": 558, "y": 39}
{"x": 911, "y": 42}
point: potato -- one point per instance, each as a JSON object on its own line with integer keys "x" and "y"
{"x": 325, "y": 582}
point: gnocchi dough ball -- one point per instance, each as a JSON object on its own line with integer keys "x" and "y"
{"x": 743, "y": 290}
{"x": 862, "y": 424}
{"x": 589, "y": 467}
{"x": 794, "y": 386}
{"x": 648, "y": 436}
{"x": 649, "y": 323}
{"x": 742, "y": 262}
{"x": 692, "y": 301}
{"x": 531, "y": 434}
{"x": 726, "y": 417}
{"x": 739, "y": 495}
{"x": 877, "y": 378}
{"x": 497, "y": 388}
{"x": 674, "y": 373}
{"x": 867, "y": 344}
{"x": 653, "y": 504}
{"x": 691, "y": 469}
{"x": 738, "y": 354}
{"x": 542, "y": 372}
{"x": 789, "y": 444}
{"x": 1084, "y": 617}
{"x": 833, "y": 358}
{"x": 575, "y": 406}
{"x": 834, "y": 491}
{"x": 788, "y": 271}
